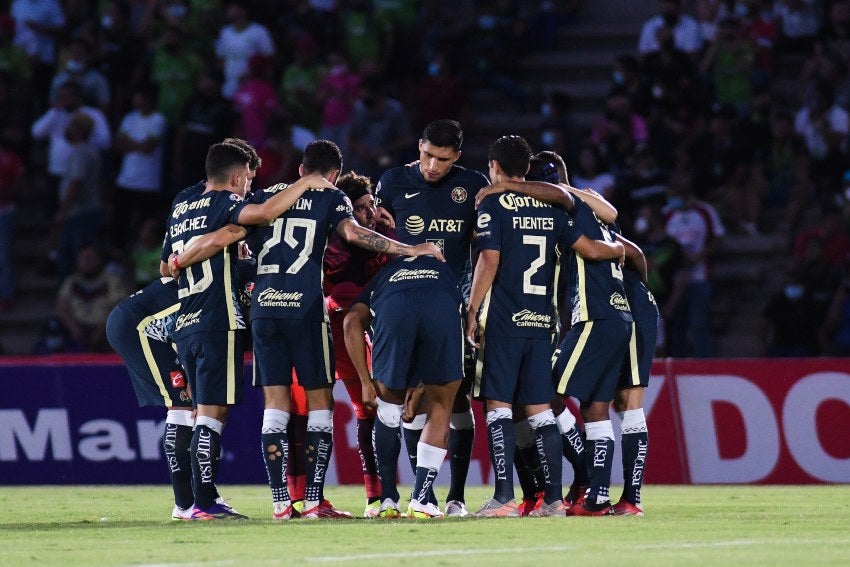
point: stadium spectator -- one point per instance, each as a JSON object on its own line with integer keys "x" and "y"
{"x": 619, "y": 131}
{"x": 338, "y": 90}
{"x": 558, "y": 129}
{"x": 696, "y": 226}
{"x": 835, "y": 332}
{"x": 300, "y": 82}
{"x": 146, "y": 252}
{"x": 79, "y": 215}
{"x": 175, "y": 71}
{"x": 86, "y": 298}
{"x": 685, "y": 35}
{"x": 138, "y": 192}
{"x": 380, "y": 131}
{"x": 78, "y": 68}
{"x": 254, "y": 101}
{"x": 441, "y": 91}
{"x": 799, "y": 22}
{"x": 237, "y": 42}
{"x": 11, "y": 178}
{"x": 789, "y": 323}
{"x": 729, "y": 62}
{"x": 51, "y": 126}
{"x": 206, "y": 119}
{"x": 38, "y": 24}
{"x": 592, "y": 172}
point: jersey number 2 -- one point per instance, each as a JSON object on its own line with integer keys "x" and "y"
{"x": 528, "y": 287}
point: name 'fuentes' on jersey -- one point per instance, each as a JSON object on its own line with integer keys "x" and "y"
{"x": 442, "y": 212}
{"x": 289, "y": 263}
{"x": 208, "y": 289}
{"x": 525, "y": 232}
{"x": 594, "y": 288}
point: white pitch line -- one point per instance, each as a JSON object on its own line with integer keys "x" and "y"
{"x": 433, "y": 553}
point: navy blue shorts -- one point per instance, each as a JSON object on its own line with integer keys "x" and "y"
{"x": 214, "y": 366}
{"x": 638, "y": 363}
{"x": 516, "y": 371}
{"x": 283, "y": 344}
{"x": 149, "y": 362}
{"x": 417, "y": 337}
{"x": 587, "y": 362}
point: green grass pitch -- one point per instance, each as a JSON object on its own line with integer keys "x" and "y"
{"x": 717, "y": 525}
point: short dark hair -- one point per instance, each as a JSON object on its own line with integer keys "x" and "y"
{"x": 550, "y": 157}
{"x": 322, "y": 156}
{"x": 255, "y": 162}
{"x": 444, "y": 133}
{"x": 513, "y": 154}
{"x": 222, "y": 158}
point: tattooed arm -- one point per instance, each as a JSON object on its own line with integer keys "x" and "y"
{"x": 370, "y": 240}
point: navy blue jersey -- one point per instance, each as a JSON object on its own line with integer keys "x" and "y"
{"x": 442, "y": 212}
{"x": 182, "y": 196}
{"x": 641, "y": 301}
{"x": 526, "y": 233}
{"x": 594, "y": 289}
{"x": 154, "y": 308}
{"x": 405, "y": 273}
{"x": 291, "y": 249}
{"x": 208, "y": 290}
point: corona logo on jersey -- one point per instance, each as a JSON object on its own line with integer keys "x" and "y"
{"x": 414, "y": 224}
{"x": 619, "y": 302}
{"x": 526, "y": 318}
{"x": 271, "y": 297}
{"x": 513, "y": 202}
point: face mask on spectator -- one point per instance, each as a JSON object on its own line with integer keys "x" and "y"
{"x": 548, "y": 138}
{"x": 618, "y": 77}
{"x": 675, "y": 202}
{"x": 641, "y": 225}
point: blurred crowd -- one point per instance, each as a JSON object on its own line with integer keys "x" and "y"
{"x": 728, "y": 117}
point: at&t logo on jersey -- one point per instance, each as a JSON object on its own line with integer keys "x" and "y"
{"x": 526, "y": 318}
{"x": 414, "y": 224}
{"x": 271, "y": 297}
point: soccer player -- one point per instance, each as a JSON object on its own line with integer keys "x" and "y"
{"x": 433, "y": 200}
{"x": 511, "y": 310}
{"x": 347, "y": 270}
{"x": 634, "y": 374}
{"x": 289, "y": 322}
{"x": 418, "y": 338}
{"x": 209, "y": 319}
{"x": 547, "y": 181}
{"x": 139, "y": 329}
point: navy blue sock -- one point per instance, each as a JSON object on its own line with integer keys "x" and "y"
{"x": 175, "y": 446}
{"x": 423, "y": 489}
{"x": 276, "y": 454}
{"x": 411, "y": 441}
{"x": 549, "y": 451}
{"x": 575, "y": 453}
{"x": 460, "y": 451}
{"x": 527, "y": 479}
{"x": 600, "y": 464}
{"x": 205, "y": 449}
{"x": 318, "y": 448}
{"x": 387, "y": 445}
{"x": 634, "y": 447}
{"x": 502, "y": 443}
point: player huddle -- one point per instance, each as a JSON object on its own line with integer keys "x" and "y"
{"x": 374, "y": 290}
